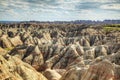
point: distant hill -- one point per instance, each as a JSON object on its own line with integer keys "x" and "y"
{"x": 9, "y": 22}
{"x": 74, "y": 22}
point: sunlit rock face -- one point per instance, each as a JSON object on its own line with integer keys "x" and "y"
{"x": 59, "y": 52}
{"x": 2, "y": 51}
{"x": 5, "y": 43}
{"x": 52, "y": 74}
{"x": 103, "y": 70}
{"x": 12, "y": 68}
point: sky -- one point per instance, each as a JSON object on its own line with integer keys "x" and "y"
{"x": 59, "y": 10}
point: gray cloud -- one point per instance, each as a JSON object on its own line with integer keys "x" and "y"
{"x": 88, "y": 5}
{"x": 69, "y": 5}
{"x": 111, "y": 7}
{"x": 56, "y": 7}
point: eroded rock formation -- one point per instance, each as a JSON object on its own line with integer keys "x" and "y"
{"x": 12, "y": 68}
{"x": 61, "y": 51}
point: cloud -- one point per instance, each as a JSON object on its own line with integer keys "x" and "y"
{"x": 60, "y": 9}
{"x": 43, "y": 5}
{"x": 14, "y": 4}
{"x": 88, "y": 5}
{"x": 102, "y": 1}
{"x": 111, "y": 6}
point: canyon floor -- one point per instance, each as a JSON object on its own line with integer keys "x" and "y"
{"x": 48, "y": 51}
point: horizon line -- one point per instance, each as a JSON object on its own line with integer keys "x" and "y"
{"x": 57, "y": 20}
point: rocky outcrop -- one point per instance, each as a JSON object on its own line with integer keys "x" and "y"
{"x": 66, "y": 51}
{"x": 7, "y": 42}
{"x": 52, "y": 74}
{"x": 11, "y": 68}
{"x": 16, "y": 41}
{"x": 2, "y": 51}
{"x": 103, "y": 70}
{"x": 100, "y": 71}
{"x": 4, "y": 41}
{"x": 115, "y": 58}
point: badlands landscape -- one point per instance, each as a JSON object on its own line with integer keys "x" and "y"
{"x": 59, "y": 51}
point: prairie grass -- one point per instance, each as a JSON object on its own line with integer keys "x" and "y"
{"x": 113, "y": 27}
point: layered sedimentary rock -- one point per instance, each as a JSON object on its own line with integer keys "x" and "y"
{"x": 103, "y": 70}
{"x": 64, "y": 51}
{"x": 52, "y": 74}
{"x": 7, "y": 42}
{"x": 12, "y": 68}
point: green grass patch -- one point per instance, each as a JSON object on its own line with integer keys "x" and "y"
{"x": 8, "y": 49}
{"x": 113, "y": 27}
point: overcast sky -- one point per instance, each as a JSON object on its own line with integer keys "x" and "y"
{"x": 59, "y": 10}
